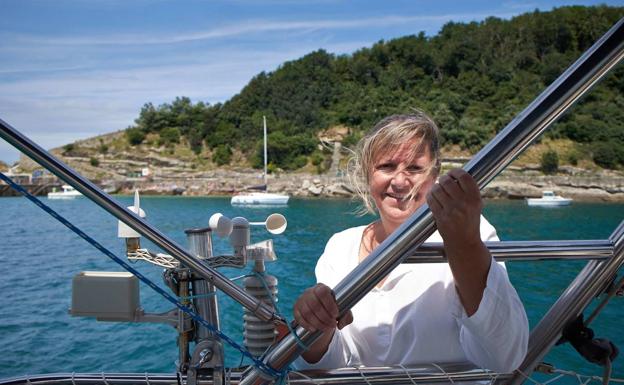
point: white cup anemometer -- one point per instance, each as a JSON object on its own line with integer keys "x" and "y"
{"x": 238, "y": 231}
{"x": 224, "y": 226}
{"x": 123, "y": 230}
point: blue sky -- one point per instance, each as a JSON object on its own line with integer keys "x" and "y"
{"x": 71, "y": 69}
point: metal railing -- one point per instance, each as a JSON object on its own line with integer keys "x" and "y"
{"x": 525, "y": 251}
{"x": 102, "y": 199}
{"x": 607, "y": 52}
{"x": 403, "y": 245}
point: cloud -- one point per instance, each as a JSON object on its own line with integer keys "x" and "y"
{"x": 251, "y": 27}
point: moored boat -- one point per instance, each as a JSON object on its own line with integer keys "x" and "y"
{"x": 549, "y": 198}
{"x": 259, "y": 198}
{"x": 68, "y": 193}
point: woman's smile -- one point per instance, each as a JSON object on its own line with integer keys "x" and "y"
{"x": 399, "y": 182}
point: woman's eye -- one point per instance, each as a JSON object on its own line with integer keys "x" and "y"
{"x": 415, "y": 169}
{"x": 385, "y": 166}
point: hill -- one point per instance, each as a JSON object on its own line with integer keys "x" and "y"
{"x": 473, "y": 78}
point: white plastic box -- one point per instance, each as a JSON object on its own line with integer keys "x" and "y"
{"x": 108, "y": 296}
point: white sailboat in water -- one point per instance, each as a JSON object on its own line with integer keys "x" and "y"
{"x": 261, "y": 197}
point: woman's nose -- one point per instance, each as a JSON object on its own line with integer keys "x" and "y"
{"x": 399, "y": 179}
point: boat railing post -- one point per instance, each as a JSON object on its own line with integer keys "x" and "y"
{"x": 95, "y": 194}
{"x": 525, "y": 250}
{"x": 603, "y": 55}
{"x": 586, "y": 286}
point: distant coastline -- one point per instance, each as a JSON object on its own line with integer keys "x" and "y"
{"x": 584, "y": 186}
{"x": 155, "y": 174}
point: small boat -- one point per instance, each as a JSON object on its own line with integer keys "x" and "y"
{"x": 549, "y": 199}
{"x": 260, "y": 197}
{"x": 68, "y": 193}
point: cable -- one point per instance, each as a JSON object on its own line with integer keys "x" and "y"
{"x": 259, "y": 364}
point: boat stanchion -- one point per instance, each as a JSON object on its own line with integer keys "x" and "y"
{"x": 133, "y": 221}
{"x": 568, "y": 88}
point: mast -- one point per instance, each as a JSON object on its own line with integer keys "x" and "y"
{"x": 265, "y": 153}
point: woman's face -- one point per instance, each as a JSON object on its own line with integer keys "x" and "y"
{"x": 393, "y": 176}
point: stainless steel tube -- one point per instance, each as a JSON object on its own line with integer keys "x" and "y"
{"x": 91, "y": 191}
{"x": 425, "y": 374}
{"x": 524, "y": 251}
{"x": 493, "y": 158}
{"x": 205, "y": 299}
{"x": 593, "y": 279}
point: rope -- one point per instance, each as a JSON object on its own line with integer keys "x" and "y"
{"x": 581, "y": 378}
{"x": 607, "y": 372}
{"x": 259, "y": 364}
{"x": 362, "y": 374}
{"x": 408, "y": 375}
{"x": 104, "y": 378}
{"x": 260, "y": 276}
{"x": 493, "y": 378}
{"x": 444, "y": 372}
{"x": 553, "y": 379}
{"x": 527, "y": 377}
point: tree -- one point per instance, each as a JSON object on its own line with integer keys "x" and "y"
{"x": 222, "y": 155}
{"x": 605, "y": 154}
{"x": 135, "y": 136}
{"x": 549, "y": 162}
{"x": 170, "y": 135}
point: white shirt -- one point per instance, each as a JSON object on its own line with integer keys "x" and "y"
{"x": 416, "y": 316}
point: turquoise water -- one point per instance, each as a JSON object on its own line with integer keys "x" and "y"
{"x": 39, "y": 257}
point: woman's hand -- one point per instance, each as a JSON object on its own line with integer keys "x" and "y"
{"x": 316, "y": 309}
{"x": 455, "y": 202}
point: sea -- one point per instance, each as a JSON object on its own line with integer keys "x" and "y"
{"x": 39, "y": 258}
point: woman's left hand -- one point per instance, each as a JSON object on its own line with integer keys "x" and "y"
{"x": 455, "y": 202}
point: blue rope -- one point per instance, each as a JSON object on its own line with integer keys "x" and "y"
{"x": 260, "y": 276}
{"x": 259, "y": 364}
{"x": 281, "y": 380}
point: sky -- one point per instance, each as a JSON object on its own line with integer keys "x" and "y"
{"x": 73, "y": 69}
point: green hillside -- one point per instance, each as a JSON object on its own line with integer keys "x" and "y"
{"x": 473, "y": 78}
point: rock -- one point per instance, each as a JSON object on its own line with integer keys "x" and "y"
{"x": 337, "y": 189}
{"x": 306, "y": 184}
{"x": 315, "y": 190}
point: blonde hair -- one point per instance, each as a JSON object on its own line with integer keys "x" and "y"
{"x": 388, "y": 134}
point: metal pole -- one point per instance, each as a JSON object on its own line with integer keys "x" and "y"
{"x": 91, "y": 191}
{"x": 524, "y": 251}
{"x": 592, "y": 280}
{"x": 485, "y": 165}
{"x": 266, "y": 177}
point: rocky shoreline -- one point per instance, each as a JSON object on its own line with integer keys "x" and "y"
{"x": 169, "y": 176}
{"x": 582, "y": 186}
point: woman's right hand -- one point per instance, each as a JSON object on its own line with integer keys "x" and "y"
{"x": 316, "y": 309}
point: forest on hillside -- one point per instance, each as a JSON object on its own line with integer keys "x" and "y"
{"x": 473, "y": 78}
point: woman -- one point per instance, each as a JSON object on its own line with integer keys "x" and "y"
{"x": 465, "y": 310}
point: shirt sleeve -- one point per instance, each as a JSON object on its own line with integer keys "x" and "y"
{"x": 335, "y": 357}
{"x": 330, "y": 269}
{"x": 496, "y": 336}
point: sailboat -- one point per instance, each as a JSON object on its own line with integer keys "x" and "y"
{"x": 261, "y": 197}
